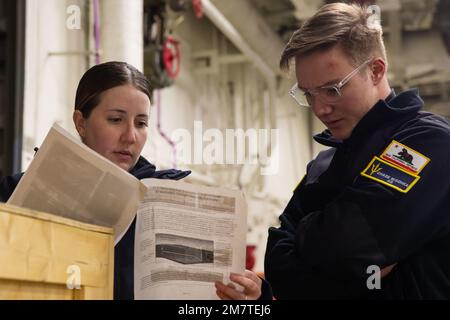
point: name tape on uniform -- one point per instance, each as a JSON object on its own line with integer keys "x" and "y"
{"x": 390, "y": 175}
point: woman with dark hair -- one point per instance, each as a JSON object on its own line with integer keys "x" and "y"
{"x": 112, "y": 107}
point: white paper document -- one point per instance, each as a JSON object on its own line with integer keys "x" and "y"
{"x": 69, "y": 179}
{"x": 187, "y": 237}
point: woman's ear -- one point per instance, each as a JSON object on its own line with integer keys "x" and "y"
{"x": 378, "y": 70}
{"x": 80, "y": 123}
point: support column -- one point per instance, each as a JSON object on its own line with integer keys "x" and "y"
{"x": 121, "y": 31}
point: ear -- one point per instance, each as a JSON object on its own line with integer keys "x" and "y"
{"x": 378, "y": 69}
{"x": 80, "y": 123}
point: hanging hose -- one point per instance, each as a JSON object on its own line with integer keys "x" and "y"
{"x": 161, "y": 132}
{"x": 97, "y": 30}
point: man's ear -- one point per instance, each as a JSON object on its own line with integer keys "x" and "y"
{"x": 378, "y": 69}
{"x": 80, "y": 123}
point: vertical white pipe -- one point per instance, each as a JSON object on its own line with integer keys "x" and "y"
{"x": 122, "y": 31}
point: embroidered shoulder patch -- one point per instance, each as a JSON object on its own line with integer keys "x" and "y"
{"x": 390, "y": 175}
{"x": 405, "y": 157}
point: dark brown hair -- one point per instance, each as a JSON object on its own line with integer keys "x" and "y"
{"x": 105, "y": 76}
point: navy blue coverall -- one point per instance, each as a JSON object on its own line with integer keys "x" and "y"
{"x": 379, "y": 198}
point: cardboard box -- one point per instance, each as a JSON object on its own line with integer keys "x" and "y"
{"x": 43, "y": 256}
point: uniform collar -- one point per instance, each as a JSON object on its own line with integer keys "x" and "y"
{"x": 392, "y": 108}
{"x": 143, "y": 169}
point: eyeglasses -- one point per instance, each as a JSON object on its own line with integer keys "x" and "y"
{"x": 326, "y": 94}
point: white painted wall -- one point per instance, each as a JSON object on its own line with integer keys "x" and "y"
{"x": 50, "y": 79}
{"x": 294, "y": 153}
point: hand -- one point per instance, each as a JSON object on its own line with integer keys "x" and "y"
{"x": 249, "y": 280}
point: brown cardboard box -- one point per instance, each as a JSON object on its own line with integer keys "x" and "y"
{"x": 43, "y": 255}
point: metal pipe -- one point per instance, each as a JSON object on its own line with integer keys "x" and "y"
{"x": 72, "y": 53}
{"x": 233, "y": 35}
{"x": 161, "y": 131}
{"x": 122, "y": 34}
{"x": 97, "y": 31}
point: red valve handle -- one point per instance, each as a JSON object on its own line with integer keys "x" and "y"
{"x": 171, "y": 57}
{"x": 198, "y": 8}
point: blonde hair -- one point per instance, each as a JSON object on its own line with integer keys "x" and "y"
{"x": 337, "y": 23}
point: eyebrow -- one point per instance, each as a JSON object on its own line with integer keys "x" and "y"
{"x": 124, "y": 112}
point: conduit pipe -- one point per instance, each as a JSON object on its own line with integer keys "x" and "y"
{"x": 161, "y": 131}
{"x": 96, "y": 5}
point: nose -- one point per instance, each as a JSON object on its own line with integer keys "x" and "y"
{"x": 129, "y": 133}
{"x": 320, "y": 108}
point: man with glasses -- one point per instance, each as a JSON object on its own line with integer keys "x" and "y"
{"x": 371, "y": 217}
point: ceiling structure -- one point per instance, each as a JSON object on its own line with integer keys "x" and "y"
{"x": 417, "y": 35}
